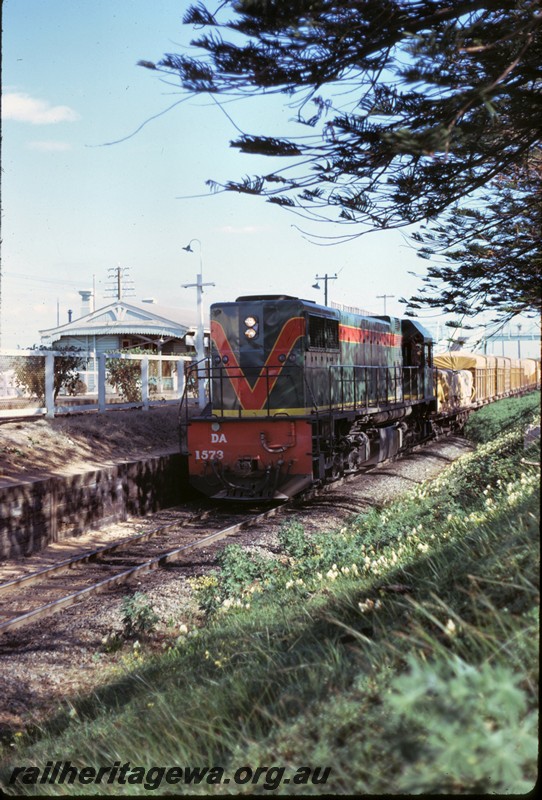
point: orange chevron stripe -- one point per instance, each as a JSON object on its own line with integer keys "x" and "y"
{"x": 254, "y": 397}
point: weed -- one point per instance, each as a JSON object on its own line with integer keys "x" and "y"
{"x": 293, "y": 540}
{"x": 138, "y": 616}
{"x": 205, "y": 588}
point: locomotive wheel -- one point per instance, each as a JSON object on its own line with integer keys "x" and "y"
{"x": 354, "y": 461}
{"x": 337, "y": 466}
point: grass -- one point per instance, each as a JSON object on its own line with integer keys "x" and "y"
{"x": 508, "y": 414}
{"x": 401, "y": 652}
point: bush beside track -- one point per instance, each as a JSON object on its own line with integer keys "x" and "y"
{"x": 400, "y": 651}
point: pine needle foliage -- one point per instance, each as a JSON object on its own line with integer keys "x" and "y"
{"x": 406, "y": 108}
{"x": 410, "y": 105}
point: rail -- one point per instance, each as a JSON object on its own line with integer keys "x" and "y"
{"x": 9, "y": 622}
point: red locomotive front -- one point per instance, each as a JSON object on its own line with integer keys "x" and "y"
{"x": 250, "y": 459}
{"x": 254, "y": 442}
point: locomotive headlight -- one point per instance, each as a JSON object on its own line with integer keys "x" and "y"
{"x": 252, "y": 327}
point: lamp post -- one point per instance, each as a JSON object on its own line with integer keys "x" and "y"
{"x": 200, "y": 334}
{"x": 324, "y": 278}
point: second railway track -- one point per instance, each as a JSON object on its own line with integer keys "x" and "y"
{"x": 46, "y": 591}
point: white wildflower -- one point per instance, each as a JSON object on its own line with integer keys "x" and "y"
{"x": 451, "y": 628}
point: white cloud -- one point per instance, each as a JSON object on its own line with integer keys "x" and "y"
{"x": 49, "y": 147}
{"x": 21, "y": 107}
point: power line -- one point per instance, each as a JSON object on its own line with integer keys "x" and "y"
{"x": 119, "y": 285}
{"x": 39, "y": 279}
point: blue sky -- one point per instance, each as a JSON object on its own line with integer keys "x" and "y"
{"x": 74, "y": 207}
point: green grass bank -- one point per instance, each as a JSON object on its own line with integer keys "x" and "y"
{"x": 400, "y": 652}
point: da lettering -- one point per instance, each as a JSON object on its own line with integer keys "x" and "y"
{"x": 217, "y": 438}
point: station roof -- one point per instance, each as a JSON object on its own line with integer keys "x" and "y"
{"x": 122, "y": 317}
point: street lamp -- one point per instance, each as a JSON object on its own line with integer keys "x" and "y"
{"x": 324, "y": 278}
{"x": 200, "y": 340}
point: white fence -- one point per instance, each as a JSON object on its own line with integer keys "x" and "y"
{"x": 31, "y": 384}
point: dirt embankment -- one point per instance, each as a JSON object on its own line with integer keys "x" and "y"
{"x": 42, "y": 447}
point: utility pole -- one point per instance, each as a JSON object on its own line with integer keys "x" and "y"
{"x": 384, "y": 297}
{"x": 324, "y": 278}
{"x": 119, "y": 285}
{"x": 200, "y": 331}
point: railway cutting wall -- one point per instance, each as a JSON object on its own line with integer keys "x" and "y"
{"x": 35, "y": 513}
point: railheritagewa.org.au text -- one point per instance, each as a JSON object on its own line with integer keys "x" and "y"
{"x": 153, "y": 777}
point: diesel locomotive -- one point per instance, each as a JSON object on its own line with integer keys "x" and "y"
{"x": 302, "y": 393}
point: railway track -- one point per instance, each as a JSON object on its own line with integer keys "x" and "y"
{"x": 30, "y": 597}
{"x": 35, "y": 595}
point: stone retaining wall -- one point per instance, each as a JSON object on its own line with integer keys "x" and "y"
{"x": 36, "y": 513}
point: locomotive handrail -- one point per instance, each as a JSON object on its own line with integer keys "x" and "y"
{"x": 346, "y": 387}
{"x": 315, "y": 408}
{"x": 379, "y": 384}
{"x": 237, "y": 378}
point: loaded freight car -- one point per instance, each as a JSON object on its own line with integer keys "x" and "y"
{"x": 455, "y": 389}
{"x": 531, "y": 373}
{"x": 493, "y": 377}
{"x": 482, "y": 368}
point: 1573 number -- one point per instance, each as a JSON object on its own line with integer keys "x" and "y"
{"x": 208, "y": 455}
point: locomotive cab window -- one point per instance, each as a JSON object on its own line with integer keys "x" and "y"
{"x": 323, "y": 333}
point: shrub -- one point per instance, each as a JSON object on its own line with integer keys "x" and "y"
{"x": 466, "y": 727}
{"x": 75, "y": 386}
{"x": 30, "y": 371}
{"x": 138, "y": 616}
{"x": 492, "y": 420}
{"x": 125, "y": 375}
